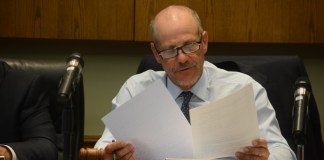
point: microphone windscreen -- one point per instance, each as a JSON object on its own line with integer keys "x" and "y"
{"x": 77, "y": 56}
{"x": 302, "y": 82}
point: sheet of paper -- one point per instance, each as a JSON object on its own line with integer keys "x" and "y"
{"x": 153, "y": 123}
{"x": 221, "y": 128}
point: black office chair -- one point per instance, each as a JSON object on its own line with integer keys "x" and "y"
{"x": 277, "y": 74}
{"x": 52, "y": 73}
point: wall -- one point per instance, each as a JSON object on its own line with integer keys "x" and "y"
{"x": 279, "y": 21}
{"x": 67, "y": 19}
{"x": 245, "y": 20}
{"x": 315, "y": 68}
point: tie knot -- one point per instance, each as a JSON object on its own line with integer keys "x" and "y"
{"x": 186, "y": 95}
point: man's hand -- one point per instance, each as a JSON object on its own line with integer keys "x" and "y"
{"x": 122, "y": 151}
{"x": 258, "y": 151}
{"x": 4, "y": 151}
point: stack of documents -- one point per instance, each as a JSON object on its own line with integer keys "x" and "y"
{"x": 155, "y": 125}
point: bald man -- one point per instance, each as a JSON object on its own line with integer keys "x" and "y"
{"x": 179, "y": 45}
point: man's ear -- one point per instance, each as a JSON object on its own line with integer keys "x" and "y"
{"x": 155, "y": 53}
{"x": 204, "y": 41}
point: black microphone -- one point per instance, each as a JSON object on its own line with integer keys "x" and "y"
{"x": 302, "y": 92}
{"x": 74, "y": 65}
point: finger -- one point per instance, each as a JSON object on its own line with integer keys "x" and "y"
{"x": 113, "y": 147}
{"x": 260, "y": 143}
{"x": 125, "y": 153}
{"x": 132, "y": 158}
{"x": 128, "y": 156}
{"x": 260, "y": 152}
{"x": 244, "y": 156}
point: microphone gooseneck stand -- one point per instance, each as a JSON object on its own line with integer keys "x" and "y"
{"x": 300, "y": 142}
{"x": 300, "y": 152}
{"x": 68, "y": 126}
{"x": 68, "y": 83}
{"x": 302, "y": 92}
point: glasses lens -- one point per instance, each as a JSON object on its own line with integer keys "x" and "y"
{"x": 189, "y": 48}
{"x": 169, "y": 53}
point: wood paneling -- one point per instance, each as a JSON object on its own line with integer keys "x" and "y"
{"x": 260, "y": 21}
{"x": 145, "y": 10}
{"x": 67, "y": 19}
{"x": 293, "y": 21}
{"x": 319, "y": 21}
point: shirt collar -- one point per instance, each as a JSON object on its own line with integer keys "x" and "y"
{"x": 200, "y": 89}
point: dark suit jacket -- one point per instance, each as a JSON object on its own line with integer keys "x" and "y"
{"x": 25, "y": 124}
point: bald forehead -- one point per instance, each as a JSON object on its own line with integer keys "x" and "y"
{"x": 174, "y": 21}
{"x": 173, "y": 13}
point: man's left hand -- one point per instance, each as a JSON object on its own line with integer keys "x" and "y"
{"x": 4, "y": 151}
{"x": 258, "y": 151}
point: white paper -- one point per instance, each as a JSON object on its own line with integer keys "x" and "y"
{"x": 157, "y": 128}
{"x": 221, "y": 128}
{"x": 153, "y": 123}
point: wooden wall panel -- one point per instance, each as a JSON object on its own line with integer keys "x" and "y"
{"x": 319, "y": 21}
{"x": 145, "y": 10}
{"x": 47, "y": 16}
{"x": 226, "y": 20}
{"x": 7, "y": 20}
{"x": 67, "y": 19}
{"x": 120, "y": 12}
{"x": 280, "y": 21}
{"x": 283, "y": 21}
{"x": 16, "y": 23}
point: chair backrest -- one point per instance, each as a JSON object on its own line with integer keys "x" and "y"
{"x": 277, "y": 74}
{"x": 52, "y": 72}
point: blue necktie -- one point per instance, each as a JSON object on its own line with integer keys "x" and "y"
{"x": 185, "y": 104}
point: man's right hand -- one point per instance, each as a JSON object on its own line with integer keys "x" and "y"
{"x": 122, "y": 151}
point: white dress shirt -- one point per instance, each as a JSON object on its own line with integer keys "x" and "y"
{"x": 215, "y": 83}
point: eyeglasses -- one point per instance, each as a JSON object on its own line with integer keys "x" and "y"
{"x": 187, "y": 49}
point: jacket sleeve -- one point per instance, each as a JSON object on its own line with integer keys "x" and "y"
{"x": 38, "y": 136}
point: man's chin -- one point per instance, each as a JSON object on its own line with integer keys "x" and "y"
{"x": 186, "y": 84}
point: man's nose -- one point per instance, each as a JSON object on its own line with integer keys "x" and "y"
{"x": 182, "y": 57}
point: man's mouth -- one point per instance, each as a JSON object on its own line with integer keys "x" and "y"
{"x": 184, "y": 69}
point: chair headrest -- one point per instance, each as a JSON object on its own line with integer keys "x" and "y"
{"x": 35, "y": 66}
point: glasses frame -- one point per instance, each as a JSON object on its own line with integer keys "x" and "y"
{"x": 180, "y": 48}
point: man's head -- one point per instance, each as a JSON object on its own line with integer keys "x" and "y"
{"x": 175, "y": 27}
